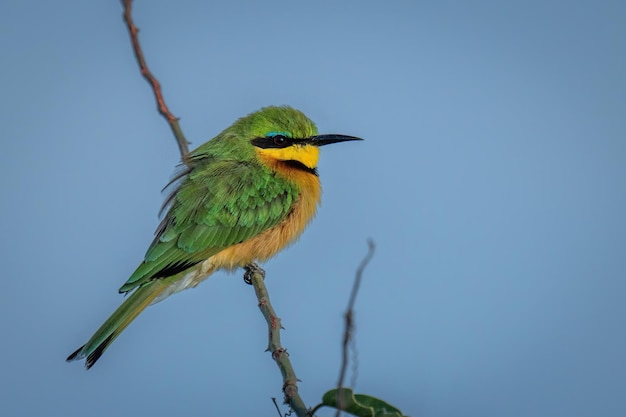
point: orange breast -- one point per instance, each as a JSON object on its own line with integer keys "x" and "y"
{"x": 270, "y": 242}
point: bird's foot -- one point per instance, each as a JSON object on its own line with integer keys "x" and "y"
{"x": 251, "y": 269}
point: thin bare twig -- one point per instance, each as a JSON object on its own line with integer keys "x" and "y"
{"x": 172, "y": 120}
{"x": 349, "y": 321}
{"x": 277, "y": 407}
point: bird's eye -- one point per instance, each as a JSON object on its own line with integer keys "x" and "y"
{"x": 279, "y": 140}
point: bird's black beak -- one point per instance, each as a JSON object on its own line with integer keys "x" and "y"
{"x": 321, "y": 140}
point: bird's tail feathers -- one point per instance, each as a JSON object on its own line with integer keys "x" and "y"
{"x": 119, "y": 320}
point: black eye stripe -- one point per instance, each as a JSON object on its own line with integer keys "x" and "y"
{"x": 276, "y": 141}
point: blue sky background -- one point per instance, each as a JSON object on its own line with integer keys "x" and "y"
{"x": 492, "y": 180}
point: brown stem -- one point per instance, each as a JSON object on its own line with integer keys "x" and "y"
{"x": 172, "y": 120}
{"x": 255, "y": 275}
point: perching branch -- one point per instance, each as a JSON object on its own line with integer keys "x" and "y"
{"x": 172, "y": 120}
{"x": 255, "y": 276}
{"x": 349, "y": 320}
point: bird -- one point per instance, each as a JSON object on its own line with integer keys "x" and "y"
{"x": 239, "y": 198}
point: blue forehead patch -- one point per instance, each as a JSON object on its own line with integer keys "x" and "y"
{"x": 273, "y": 134}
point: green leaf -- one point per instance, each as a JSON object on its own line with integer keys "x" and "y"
{"x": 359, "y": 405}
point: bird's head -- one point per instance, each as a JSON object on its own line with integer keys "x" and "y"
{"x": 283, "y": 135}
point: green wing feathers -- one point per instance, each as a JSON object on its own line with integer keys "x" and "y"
{"x": 217, "y": 204}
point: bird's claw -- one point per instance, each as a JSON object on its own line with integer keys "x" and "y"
{"x": 251, "y": 269}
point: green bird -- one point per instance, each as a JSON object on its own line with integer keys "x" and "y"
{"x": 240, "y": 198}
